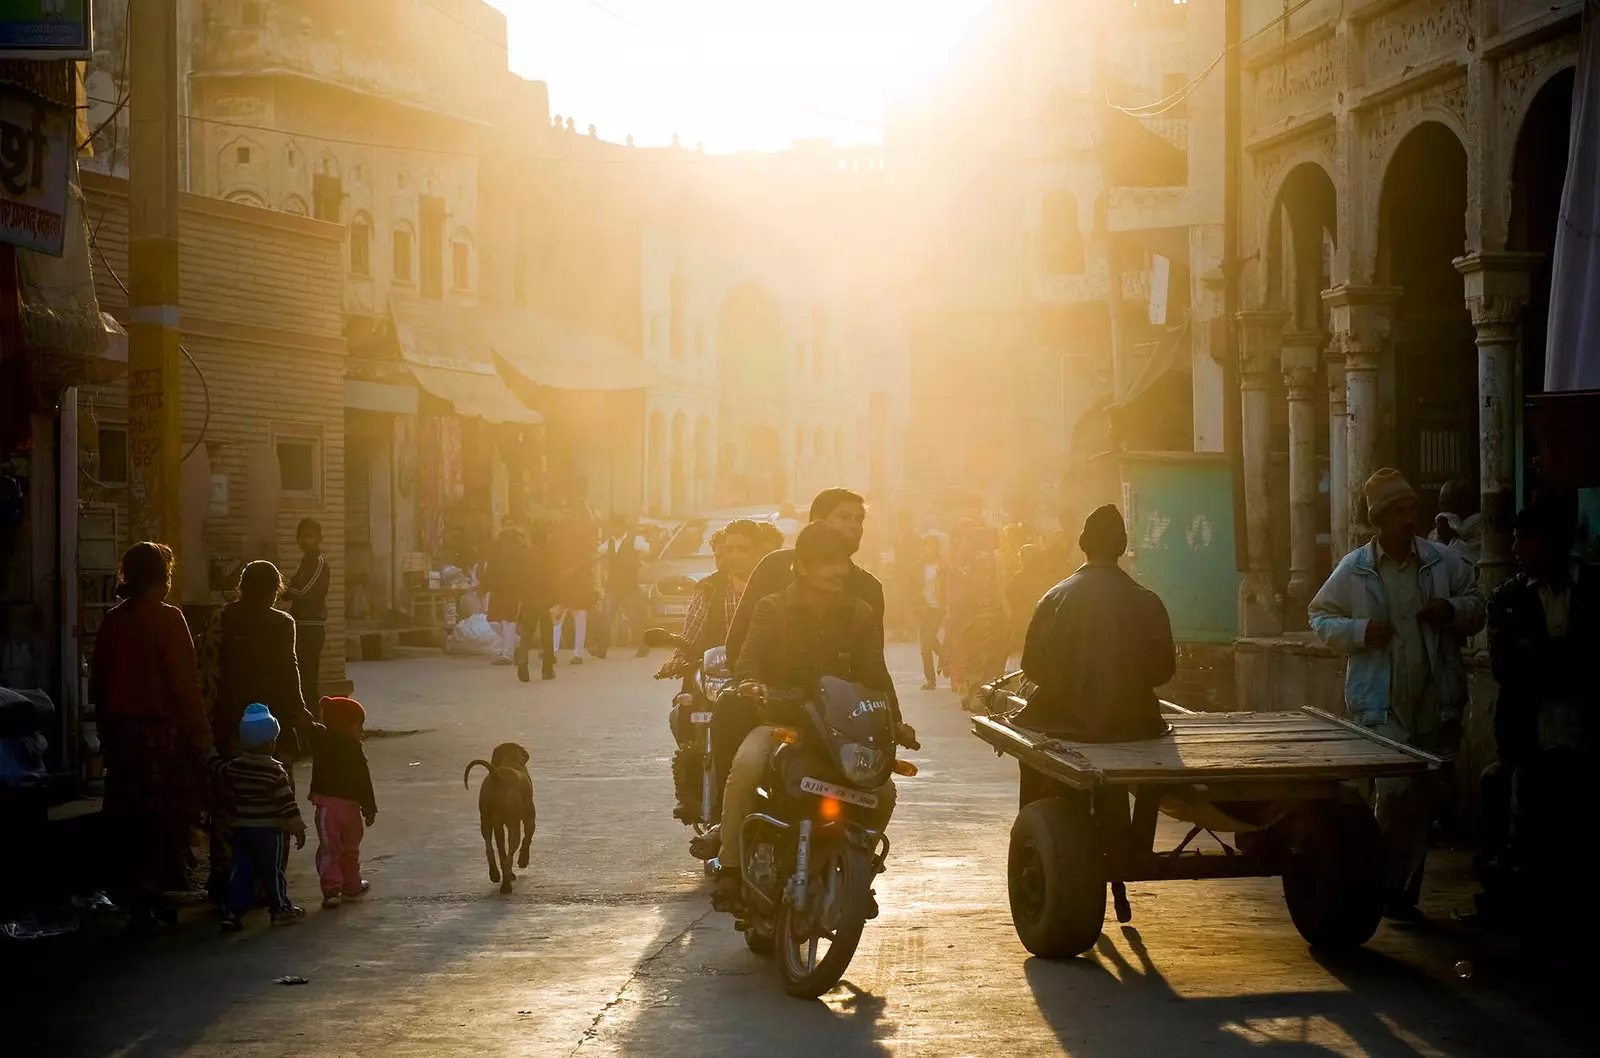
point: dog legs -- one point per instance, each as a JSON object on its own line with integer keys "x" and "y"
{"x": 488, "y": 851}
{"x": 506, "y": 843}
{"x": 528, "y": 820}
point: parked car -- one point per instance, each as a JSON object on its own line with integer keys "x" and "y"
{"x": 687, "y": 559}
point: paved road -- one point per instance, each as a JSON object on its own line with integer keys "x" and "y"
{"x": 607, "y": 947}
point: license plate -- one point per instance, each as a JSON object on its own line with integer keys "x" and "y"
{"x": 675, "y": 609}
{"x": 839, "y": 793}
{"x": 699, "y": 718}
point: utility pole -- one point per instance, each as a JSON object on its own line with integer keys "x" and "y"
{"x": 155, "y": 420}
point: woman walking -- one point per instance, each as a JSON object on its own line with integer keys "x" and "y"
{"x": 153, "y": 728}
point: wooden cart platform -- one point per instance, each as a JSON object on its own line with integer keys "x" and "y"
{"x": 1216, "y": 747}
{"x": 1282, "y": 785}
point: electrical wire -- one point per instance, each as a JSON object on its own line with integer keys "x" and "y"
{"x": 1179, "y": 95}
{"x": 205, "y": 387}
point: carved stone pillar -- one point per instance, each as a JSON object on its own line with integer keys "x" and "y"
{"x": 1359, "y": 318}
{"x": 1496, "y": 287}
{"x": 1338, "y": 466}
{"x": 1300, "y": 359}
{"x": 1261, "y": 345}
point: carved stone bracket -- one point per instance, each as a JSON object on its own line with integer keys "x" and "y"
{"x": 1299, "y": 361}
{"x": 1359, "y": 320}
{"x": 1496, "y": 289}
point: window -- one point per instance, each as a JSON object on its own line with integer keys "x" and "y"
{"x": 241, "y": 155}
{"x": 113, "y": 468}
{"x": 460, "y": 265}
{"x": 361, "y": 245}
{"x": 299, "y": 469}
{"x": 294, "y": 158}
{"x": 430, "y": 245}
{"x": 327, "y": 196}
{"x": 402, "y": 255}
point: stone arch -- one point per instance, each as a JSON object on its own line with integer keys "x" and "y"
{"x": 1389, "y": 139}
{"x": 246, "y": 196}
{"x": 328, "y": 164}
{"x": 360, "y": 237}
{"x": 1538, "y": 174}
{"x": 403, "y": 252}
{"x": 679, "y": 471}
{"x": 1564, "y": 65}
{"x": 293, "y": 203}
{"x": 463, "y": 261}
{"x": 1422, "y": 229}
{"x": 1302, "y": 223}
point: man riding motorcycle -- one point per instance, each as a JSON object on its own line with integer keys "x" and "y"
{"x": 812, "y": 628}
{"x": 716, "y": 598}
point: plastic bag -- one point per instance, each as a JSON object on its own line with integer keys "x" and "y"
{"x": 474, "y": 635}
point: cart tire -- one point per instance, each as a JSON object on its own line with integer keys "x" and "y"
{"x": 1056, "y": 879}
{"x": 1334, "y": 880}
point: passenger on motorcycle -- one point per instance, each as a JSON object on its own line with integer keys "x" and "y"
{"x": 812, "y": 628}
{"x": 716, "y": 598}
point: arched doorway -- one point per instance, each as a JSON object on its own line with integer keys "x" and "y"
{"x": 1429, "y": 389}
{"x": 751, "y": 394}
{"x": 680, "y": 472}
{"x": 1538, "y": 176}
{"x": 654, "y": 455}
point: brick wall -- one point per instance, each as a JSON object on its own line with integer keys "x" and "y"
{"x": 261, "y": 298}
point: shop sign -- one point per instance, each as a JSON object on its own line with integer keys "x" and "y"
{"x": 44, "y": 29}
{"x": 35, "y": 161}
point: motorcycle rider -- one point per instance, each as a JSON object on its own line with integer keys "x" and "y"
{"x": 717, "y": 597}
{"x": 810, "y": 629}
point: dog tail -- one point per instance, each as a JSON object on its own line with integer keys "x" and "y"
{"x": 473, "y": 764}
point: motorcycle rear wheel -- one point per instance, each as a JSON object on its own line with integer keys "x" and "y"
{"x": 838, "y": 893}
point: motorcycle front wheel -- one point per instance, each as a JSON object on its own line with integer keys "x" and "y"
{"x": 816, "y": 944}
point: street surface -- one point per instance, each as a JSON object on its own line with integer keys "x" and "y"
{"x": 608, "y": 946}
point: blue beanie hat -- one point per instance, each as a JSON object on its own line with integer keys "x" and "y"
{"x": 258, "y": 727}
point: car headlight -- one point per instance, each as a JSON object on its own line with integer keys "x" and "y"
{"x": 861, "y": 764}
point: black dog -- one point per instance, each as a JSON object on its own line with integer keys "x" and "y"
{"x": 505, "y": 810}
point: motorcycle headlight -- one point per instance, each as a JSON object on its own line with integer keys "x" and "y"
{"x": 861, "y": 764}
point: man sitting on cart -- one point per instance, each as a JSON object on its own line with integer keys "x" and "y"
{"x": 1402, "y": 607}
{"x": 1098, "y": 646}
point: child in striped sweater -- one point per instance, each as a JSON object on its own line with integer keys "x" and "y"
{"x": 264, "y": 812}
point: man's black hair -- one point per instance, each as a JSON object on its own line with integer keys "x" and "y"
{"x": 748, "y": 528}
{"x": 307, "y": 525}
{"x": 830, "y": 500}
{"x": 820, "y": 543}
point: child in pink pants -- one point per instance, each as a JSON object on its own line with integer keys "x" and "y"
{"x": 341, "y": 789}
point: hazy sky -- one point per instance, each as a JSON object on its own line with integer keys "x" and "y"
{"x": 737, "y": 74}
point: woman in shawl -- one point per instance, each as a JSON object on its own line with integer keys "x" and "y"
{"x": 146, "y": 688}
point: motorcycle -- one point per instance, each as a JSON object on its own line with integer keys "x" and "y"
{"x": 813, "y": 844}
{"x": 693, "y": 770}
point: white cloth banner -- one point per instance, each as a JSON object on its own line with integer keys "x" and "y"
{"x": 1572, "y": 357}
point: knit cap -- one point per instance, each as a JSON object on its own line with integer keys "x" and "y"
{"x": 342, "y": 714}
{"x": 1104, "y": 532}
{"x": 258, "y": 727}
{"x": 1385, "y": 488}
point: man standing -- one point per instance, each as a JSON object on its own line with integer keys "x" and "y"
{"x": 1401, "y": 607}
{"x": 930, "y": 601}
{"x": 1098, "y": 646}
{"x": 1458, "y": 525}
{"x": 533, "y": 582}
{"x": 621, "y": 553}
{"x": 308, "y": 604}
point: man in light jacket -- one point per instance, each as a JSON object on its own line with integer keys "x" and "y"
{"x": 1402, "y": 607}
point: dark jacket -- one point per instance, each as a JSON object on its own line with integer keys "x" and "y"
{"x": 339, "y": 768}
{"x": 1532, "y": 666}
{"x": 774, "y": 574}
{"x": 791, "y": 645}
{"x": 308, "y": 589}
{"x": 258, "y": 791}
{"x": 257, "y": 664}
{"x": 1098, "y": 646}
{"x": 503, "y": 577}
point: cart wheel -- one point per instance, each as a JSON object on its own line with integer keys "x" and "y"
{"x": 1056, "y": 879}
{"x": 1334, "y": 881}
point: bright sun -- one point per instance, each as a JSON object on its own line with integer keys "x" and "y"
{"x": 735, "y": 74}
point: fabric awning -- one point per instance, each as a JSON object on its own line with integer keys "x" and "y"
{"x": 446, "y": 349}
{"x": 474, "y": 394}
{"x": 1171, "y": 353}
{"x": 545, "y": 352}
